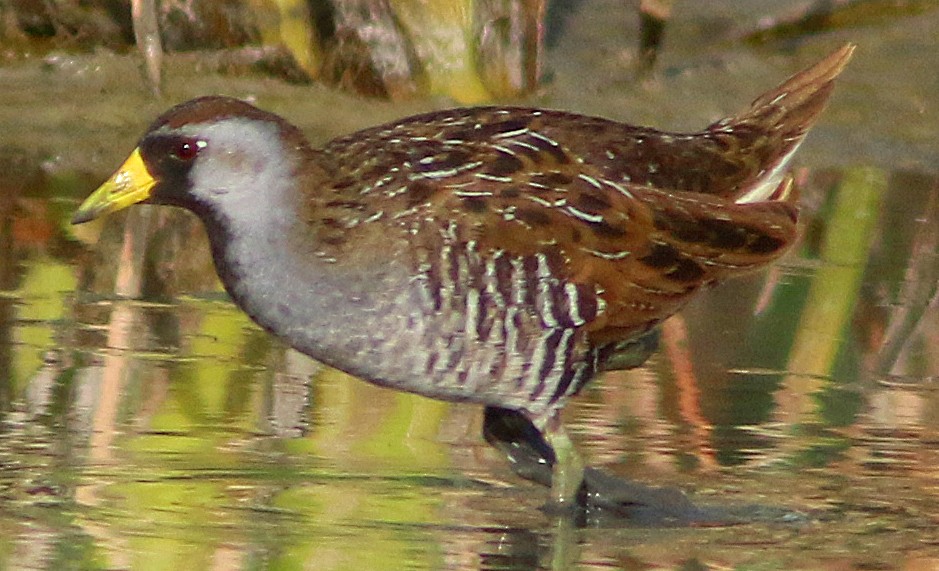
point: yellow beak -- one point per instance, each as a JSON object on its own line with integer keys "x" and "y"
{"x": 131, "y": 184}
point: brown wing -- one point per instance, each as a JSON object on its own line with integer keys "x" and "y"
{"x": 624, "y": 255}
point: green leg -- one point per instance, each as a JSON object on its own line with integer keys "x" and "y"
{"x": 543, "y": 452}
{"x": 568, "y": 470}
{"x": 539, "y": 451}
{"x": 565, "y": 549}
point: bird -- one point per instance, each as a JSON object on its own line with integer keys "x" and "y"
{"x": 496, "y": 255}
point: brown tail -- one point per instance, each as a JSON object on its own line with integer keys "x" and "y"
{"x": 794, "y": 106}
{"x": 784, "y": 115}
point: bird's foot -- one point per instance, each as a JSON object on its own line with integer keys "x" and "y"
{"x": 606, "y": 500}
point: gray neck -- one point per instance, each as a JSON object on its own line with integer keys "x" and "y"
{"x": 251, "y": 190}
{"x": 288, "y": 297}
{"x": 326, "y": 311}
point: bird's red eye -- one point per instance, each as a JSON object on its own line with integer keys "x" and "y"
{"x": 187, "y": 149}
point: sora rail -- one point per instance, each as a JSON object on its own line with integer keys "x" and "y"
{"x": 498, "y": 255}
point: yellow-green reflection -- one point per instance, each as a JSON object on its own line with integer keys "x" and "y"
{"x": 835, "y": 287}
{"x": 43, "y": 291}
{"x": 198, "y": 479}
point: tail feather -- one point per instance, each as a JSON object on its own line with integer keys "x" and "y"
{"x": 794, "y": 105}
{"x": 784, "y": 115}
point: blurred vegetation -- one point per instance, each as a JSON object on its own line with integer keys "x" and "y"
{"x": 469, "y": 50}
{"x": 829, "y": 15}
